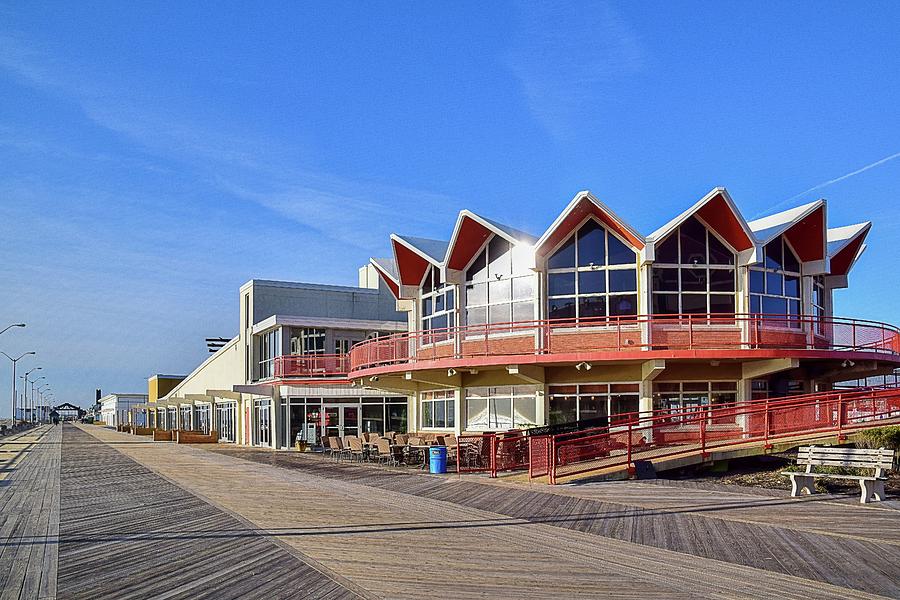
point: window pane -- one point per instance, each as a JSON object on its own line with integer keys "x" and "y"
{"x": 665, "y": 280}
{"x": 450, "y": 299}
{"x": 499, "y": 255}
{"x": 790, "y": 260}
{"x": 624, "y": 403}
{"x": 440, "y": 414}
{"x": 721, "y": 303}
{"x": 476, "y": 413}
{"x": 562, "y": 409}
{"x": 591, "y": 245}
{"x": 693, "y": 242}
{"x": 757, "y": 281}
{"x": 592, "y": 306}
{"x": 755, "y": 304}
{"x": 773, "y": 255}
{"x": 591, "y": 407}
{"x": 774, "y": 306}
{"x": 439, "y": 322}
{"x": 523, "y": 311}
{"x": 719, "y": 254}
{"x": 439, "y": 303}
{"x": 427, "y": 414}
{"x": 499, "y": 313}
{"x": 560, "y": 284}
{"x": 476, "y": 294}
{"x": 793, "y": 307}
{"x": 792, "y": 286}
{"x": 667, "y": 251}
{"x": 665, "y": 304}
{"x": 623, "y": 305}
{"x": 502, "y": 417}
{"x": 451, "y": 413}
{"x": 692, "y": 304}
{"x": 774, "y": 284}
{"x": 562, "y": 308}
{"x": 523, "y": 288}
{"x": 622, "y": 280}
{"x": 525, "y": 411}
{"x": 500, "y": 291}
{"x": 426, "y": 306}
{"x": 478, "y": 270}
{"x": 721, "y": 280}
{"x": 693, "y": 280}
{"x": 476, "y": 316}
{"x": 619, "y": 253}
{"x": 591, "y": 282}
{"x": 564, "y": 257}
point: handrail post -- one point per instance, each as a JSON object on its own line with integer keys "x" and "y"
{"x": 703, "y": 435}
{"x": 767, "y": 426}
{"x": 551, "y": 462}
{"x": 840, "y": 418}
{"x": 628, "y": 464}
{"x": 690, "y": 332}
{"x": 493, "y": 445}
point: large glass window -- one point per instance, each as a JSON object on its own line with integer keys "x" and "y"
{"x": 694, "y": 272}
{"x": 438, "y": 303}
{"x": 775, "y": 286}
{"x": 269, "y": 348}
{"x": 438, "y": 409}
{"x": 503, "y": 407}
{"x": 262, "y": 420}
{"x": 497, "y": 291}
{"x": 593, "y": 274}
{"x": 595, "y": 402}
{"x": 308, "y": 340}
{"x": 686, "y": 396}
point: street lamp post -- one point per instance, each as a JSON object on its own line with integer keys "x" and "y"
{"x": 14, "y": 361}
{"x": 41, "y": 389}
{"x": 25, "y": 398}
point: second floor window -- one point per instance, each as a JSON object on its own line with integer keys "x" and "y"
{"x": 694, "y": 272}
{"x": 593, "y": 274}
{"x": 496, "y": 290}
{"x": 437, "y": 302}
{"x": 775, "y": 286}
{"x": 308, "y": 340}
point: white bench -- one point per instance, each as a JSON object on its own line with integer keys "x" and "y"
{"x": 879, "y": 461}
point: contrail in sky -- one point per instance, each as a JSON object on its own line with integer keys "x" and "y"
{"x": 842, "y": 177}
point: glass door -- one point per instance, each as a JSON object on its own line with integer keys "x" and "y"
{"x": 350, "y": 419}
{"x": 331, "y": 422}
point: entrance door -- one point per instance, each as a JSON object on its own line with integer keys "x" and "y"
{"x": 351, "y": 419}
{"x": 341, "y": 420}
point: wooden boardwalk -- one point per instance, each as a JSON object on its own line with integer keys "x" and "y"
{"x": 138, "y": 519}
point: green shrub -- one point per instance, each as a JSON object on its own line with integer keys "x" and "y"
{"x": 880, "y": 437}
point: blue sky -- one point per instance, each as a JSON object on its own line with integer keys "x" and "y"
{"x": 153, "y": 158}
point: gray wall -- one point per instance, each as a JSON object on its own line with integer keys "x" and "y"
{"x": 323, "y": 301}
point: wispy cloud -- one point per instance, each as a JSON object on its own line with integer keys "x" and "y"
{"x": 565, "y": 55}
{"x": 248, "y": 167}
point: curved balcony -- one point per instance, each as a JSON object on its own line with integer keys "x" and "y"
{"x": 311, "y": 366}
{"x": 627, "y": 338}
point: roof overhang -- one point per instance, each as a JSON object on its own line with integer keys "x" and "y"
{"x": 470, "y": 234}
{"x": 412, "y": 262}
{"x": 805, "y": 228}
{"x": 582, "y": 206}
{"x": 349, "y": 324}
{"x": 846, "y": 246}
{"x": 387, "y": 275}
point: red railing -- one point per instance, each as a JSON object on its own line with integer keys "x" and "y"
{"x": 492, "y": 452}
{"x": 664, "y": 433}
{"x": 311, "y": 365}
{"x": 632, "y": 333}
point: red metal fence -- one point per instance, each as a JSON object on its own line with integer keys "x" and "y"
{"x": 670, "y": 433}
{"x": 631, "y": 333}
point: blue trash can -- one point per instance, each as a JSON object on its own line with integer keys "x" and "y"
{"x": 438, "y": 456}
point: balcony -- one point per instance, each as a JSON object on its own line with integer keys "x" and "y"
{"x": 310, "y": 366}
{"x": 634, "y": 337}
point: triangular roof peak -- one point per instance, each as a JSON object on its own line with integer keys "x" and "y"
{"x": 845, "y": 245}
{"x": 387, "y": 270}
{"x": 585, "y": 204}
{"x": 413, "y": 255}
{"x": 804, "y": 226}
{"x": 720, "y": 213}
{"x": 470, "y": 233}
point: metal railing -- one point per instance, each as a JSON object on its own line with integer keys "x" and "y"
{"x": 629, "y": 334}
{"x": 310, "y": 365}
{"x": 667, "y": 433}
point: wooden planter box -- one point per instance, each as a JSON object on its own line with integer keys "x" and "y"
{"x": 195, "y": 437}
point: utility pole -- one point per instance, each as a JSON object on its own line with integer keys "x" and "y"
{"x": 14, "y": 361}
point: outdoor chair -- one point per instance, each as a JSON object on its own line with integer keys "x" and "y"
{"x": 401, "y": 439}
{"x": 356, "y": 449}
{"x": 390, "y": 435}
{"x": 386, "y": 453}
